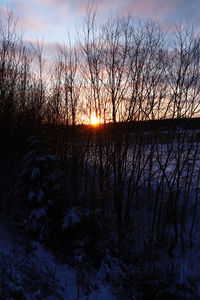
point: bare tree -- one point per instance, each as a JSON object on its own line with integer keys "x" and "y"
{"x": 115, "y": 38}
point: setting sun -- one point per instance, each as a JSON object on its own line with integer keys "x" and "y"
{"x": 94, "y": 120}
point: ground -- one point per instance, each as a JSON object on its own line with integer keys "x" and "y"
{"x": 31, "y": 271}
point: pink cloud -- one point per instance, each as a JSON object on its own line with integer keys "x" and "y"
{"x": 48, "y": 46}
{"x": 167, "y": 11}
{"x": 33, "y": 24}
{"x": 53, "y": 17}
{"x": 152, "y": 8}
{"x": 54, "y": 3}
{"x": 3, "y": 12}
{"x": 27, "y": 14}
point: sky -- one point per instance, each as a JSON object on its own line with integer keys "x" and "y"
{"x": 50, "y": 20}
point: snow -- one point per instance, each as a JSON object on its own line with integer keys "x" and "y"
{"x": 29, "y": 155}
{"x": 38, "y": 213}
{"x": 35, "y": 173}
{"x": 40, "y": 196}
{"x": 41, "y": 158}
{"x": 72, "y": 217}
{"x": 31, "y": 196}
{"x": 51, "y": 157}
{"x": 65, "y": 280}
{"x": 42, "y": 267}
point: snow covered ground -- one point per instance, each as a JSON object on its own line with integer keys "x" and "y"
{"x": 29, "y": 271}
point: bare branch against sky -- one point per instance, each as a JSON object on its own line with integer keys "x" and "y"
{"x": 51, "y": 19}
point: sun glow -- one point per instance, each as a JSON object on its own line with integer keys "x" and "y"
{"x": 94, "y": 120}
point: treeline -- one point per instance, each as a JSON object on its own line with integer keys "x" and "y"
{"x": 134, "y": 181}
{"x": 119, "y": 70}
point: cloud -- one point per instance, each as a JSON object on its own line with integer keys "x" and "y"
{"x": 165, "y": 11}
{"x": 30, "y": 23}
{"x": 53, "y": 18}
{"x": 49, "y": 47}
{"x": 27, "y": 14}
{"x": 3, "y": 12}
{"x": 186, "y": 11}
{"x": 54, "y": 3}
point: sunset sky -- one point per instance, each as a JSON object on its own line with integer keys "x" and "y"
{"x": 52, "y": 19}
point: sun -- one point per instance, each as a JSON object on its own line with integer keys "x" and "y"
{"x": 94, "y": 120}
